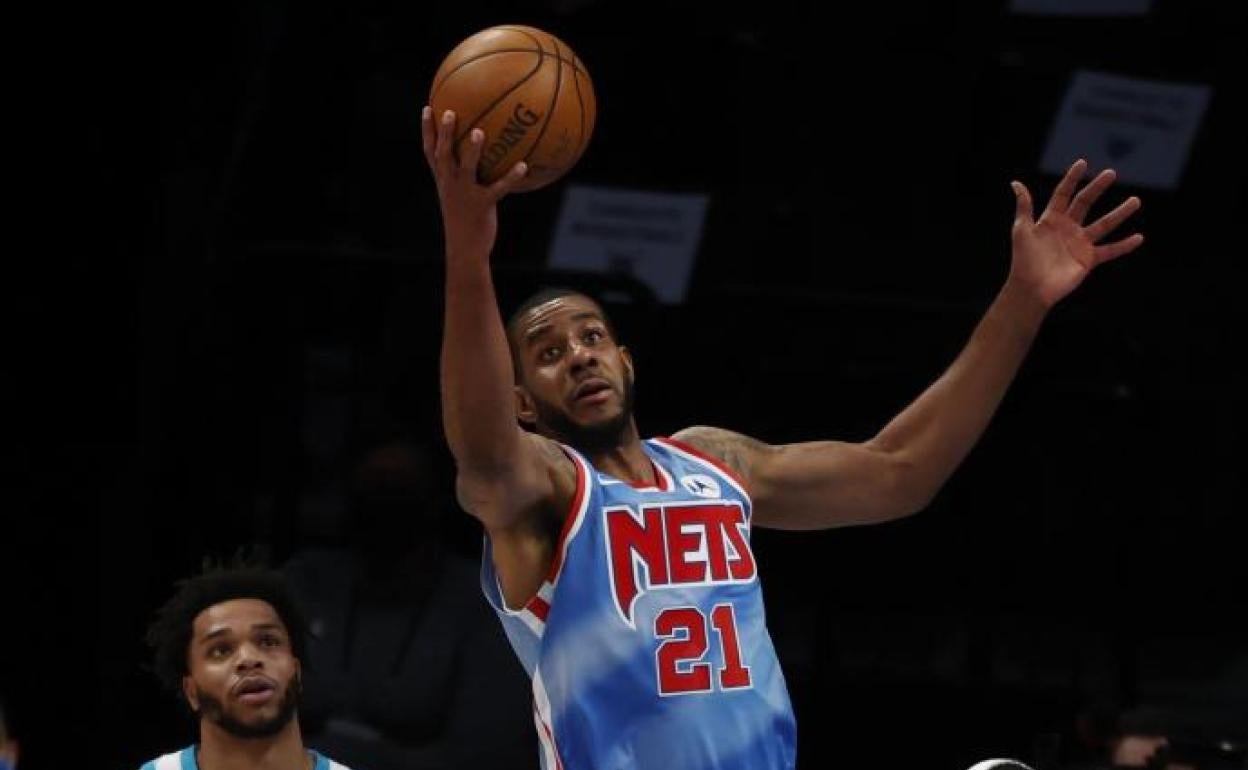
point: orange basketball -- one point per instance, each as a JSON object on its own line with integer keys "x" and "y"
{"x": 530, "y": 95}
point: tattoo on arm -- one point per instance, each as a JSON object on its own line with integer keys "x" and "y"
{"x": 737, "y": 451}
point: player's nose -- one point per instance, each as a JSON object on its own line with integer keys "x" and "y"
{"x": 249, "y": 658}
{"x": 582, "y": 355}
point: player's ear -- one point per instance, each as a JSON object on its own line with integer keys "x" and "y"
{"x": 190, "y": 692}
{"x": 526, "y": 410}
{"x": 627, "y": 357}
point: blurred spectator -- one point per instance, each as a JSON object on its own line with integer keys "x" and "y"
{"x": 411, "y": 669}
{"x": 8, "y": 744}
{"x": 1199, "y": 727}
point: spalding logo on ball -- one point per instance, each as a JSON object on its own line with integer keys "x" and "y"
{"x": 528, "y": 92}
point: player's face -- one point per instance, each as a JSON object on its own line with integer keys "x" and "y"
{"x": 243, "y": 675}
{"x": 577, "y": 382}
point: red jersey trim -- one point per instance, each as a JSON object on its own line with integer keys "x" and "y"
{"x": 539, "y": 607}
{"x": 572, "y": 521}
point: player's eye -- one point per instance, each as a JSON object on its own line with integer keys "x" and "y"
{"x": 549, "y": 354}
{"x": 218, "y": 651}
{"x": 270, "y": 640}
{"x": 594, "y": 335}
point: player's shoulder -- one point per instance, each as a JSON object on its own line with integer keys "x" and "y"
{"x": 542, "y": 479}
{"x": 550, "y": 450}
{"x": 564, "y": 466}
{"x": 183, "y": 759}
{"x": 703, "y": 436}
{"x": 720, "y": 443}
{"x": 728, "y": 449}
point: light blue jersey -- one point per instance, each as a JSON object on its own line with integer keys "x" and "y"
{"x": 185, "y": 760}
{"x": 647, "y": 643}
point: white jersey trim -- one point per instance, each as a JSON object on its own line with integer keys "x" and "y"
{"x": 169, "y": 761}
{"x": 524, "y": 614}
{"x": 545, "y": 724}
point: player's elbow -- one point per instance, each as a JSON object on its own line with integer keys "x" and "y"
{"x": 906, "y": 489}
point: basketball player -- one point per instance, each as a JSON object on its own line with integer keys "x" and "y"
{"x": 230, "y": 641}
{"x": 621, "y": 568}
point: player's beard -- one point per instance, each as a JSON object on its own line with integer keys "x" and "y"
{"x": 214, "y": 710}
{"x": 589, "y": 439}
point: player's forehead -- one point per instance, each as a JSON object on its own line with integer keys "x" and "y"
{"x": 237, "y": 616}
{"x": 558, "y": 313}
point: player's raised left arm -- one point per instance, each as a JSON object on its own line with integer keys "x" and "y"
{"x": 813, "y": 485}
{"x": 899, "y": 470}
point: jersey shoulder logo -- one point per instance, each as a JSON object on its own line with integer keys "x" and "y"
{"x": 701, "y": 485}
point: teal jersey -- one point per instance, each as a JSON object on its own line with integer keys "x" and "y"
{"x": 185, "y": 760}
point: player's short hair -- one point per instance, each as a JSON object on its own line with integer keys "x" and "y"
{"x": 536, "y": 299}
{"x": 169, "y": 635}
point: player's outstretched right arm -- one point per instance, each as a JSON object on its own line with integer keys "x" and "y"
{"x": 477, "y": 401}
{"x": 511, "y": 480}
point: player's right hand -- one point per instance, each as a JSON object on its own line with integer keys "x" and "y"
{"x": 469, "y": 208}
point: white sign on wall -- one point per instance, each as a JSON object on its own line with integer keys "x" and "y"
{"x": 650, "y": 236}
{"x": 1141, "y": 128}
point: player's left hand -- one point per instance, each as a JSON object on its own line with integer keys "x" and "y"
{"x": 1052, "y": 255}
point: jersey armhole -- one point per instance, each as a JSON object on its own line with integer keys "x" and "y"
{"x": 535, "y": 610}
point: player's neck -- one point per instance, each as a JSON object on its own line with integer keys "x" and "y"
{"x": 219, "y": 750}
{"x": 626, "y": 460}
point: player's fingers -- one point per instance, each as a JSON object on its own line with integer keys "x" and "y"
{"x": 1089, "y": 195}
{"x": 1066, "y": 188}
{"x": 1022, "y": 203}
{"x": 1117, "y": 248}
{"x": 1106, "y": 224}
{"x": 428, "y": 134}
{"x": 510, "y": 181}
{"x": 443, "y": 150}
{"x": 470, "y": 154}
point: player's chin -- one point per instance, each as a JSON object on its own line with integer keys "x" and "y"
{"x": 262, "y": 719}
{"x": 596, "y": 415}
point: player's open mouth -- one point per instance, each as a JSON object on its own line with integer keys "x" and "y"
{"x": 255, "y": 690}
{"x": 594, "y": 391}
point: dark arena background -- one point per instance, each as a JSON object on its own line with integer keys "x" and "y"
{"x": 228, "y": 326}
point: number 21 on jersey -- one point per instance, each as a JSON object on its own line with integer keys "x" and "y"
{"x": 686, "y": 639}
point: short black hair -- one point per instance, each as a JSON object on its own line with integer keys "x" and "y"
{"x": 169, "y": 635}
{"x": 541, "y": 297}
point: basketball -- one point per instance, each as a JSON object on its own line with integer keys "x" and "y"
{"x": 528, "y": 92}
